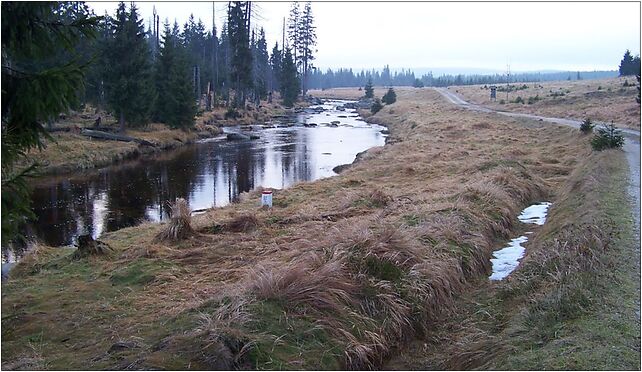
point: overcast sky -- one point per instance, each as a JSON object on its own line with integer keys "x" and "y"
{"x": 528, "y": 36}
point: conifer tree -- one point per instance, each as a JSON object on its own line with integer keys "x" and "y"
{"x": 369, "y": 89}
{"x": 307, "y": 41}
{"x": 128, "y": 76}
{"x": 240, "y": 53}
{"x": 261, "y": 66}
{"x": 293, "y": 31}
{"x": 390, "y": 97}
{"x": 36, "y": 87}
{"x": 175, "y": 105}
{"x": 627, "y": 60}
{"x": 289, "y": 80}
{"x": 275, "y": 68}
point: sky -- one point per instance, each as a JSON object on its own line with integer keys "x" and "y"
{"x": 527, "y": 36}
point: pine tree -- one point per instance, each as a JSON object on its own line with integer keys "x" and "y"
{"x": 369, "y": 89}
{"x": 275, "y": 68}
{"x": 307, "y": 41}
{"x": 289, "y": 80}
{"x": 175, "y": 104}
{"x": 128, "y": 77}
{"x": 36, "y": 87}
{"x": 390, "y": 97}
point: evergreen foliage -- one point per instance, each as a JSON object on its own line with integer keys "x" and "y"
{"x": 587, "y": 126}
{"x": 369, "y": 89}
{"x": 376, "y": 106}
{"x": 176, "y": 104}
{"x": 629, "y": 65}
{"x": 128, "y": 75}
{"x": 390, "y": 97}
{"x": 275, "y": 68}
{"x": 240, "y": 53}
{"x": 38, "y": 83}
{"x": 307, "y": 41}
{"x": 607, "y": 138}
{"x": 289, "y": 79}
{"x": 261, "y": 66}
{"x": 418, "y": 83}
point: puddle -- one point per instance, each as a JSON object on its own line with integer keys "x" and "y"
{"x": 536, "y": 213}
{"x": 506, "y": 259}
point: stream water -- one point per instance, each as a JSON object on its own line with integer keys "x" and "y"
{"x": 207, "y": 174}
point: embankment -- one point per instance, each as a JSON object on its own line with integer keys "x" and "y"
{"x": 336, "y": 275}
{"x": 70, "y": 151}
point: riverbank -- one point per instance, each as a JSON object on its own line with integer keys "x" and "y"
{"x": 69, "y": 151}
{"x": 338, "y": 274}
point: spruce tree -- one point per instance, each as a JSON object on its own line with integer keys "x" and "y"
{"x": 128, "y": 77}
{"x": 240, "y": 53}
{"x": 36, "y": 87}
{"x": 293, "y": 30}
{"x": 289, "y": 80}
{"x": 307, "y": 41}
{"x": 390, "y": 97}
{"x": 261, "y": 66}
{"x": 275, "y": 68}
{"x": 369, "y": 89}
{"x": 176, "y": 105}
{"x": 626, "y": 65}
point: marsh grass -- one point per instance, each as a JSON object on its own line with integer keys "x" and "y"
{"x": 335, "y": 275}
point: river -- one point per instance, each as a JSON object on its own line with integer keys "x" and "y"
{"x": 210, "y": 173}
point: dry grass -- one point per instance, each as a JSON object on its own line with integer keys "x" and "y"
{"x": 179, "y": 226}
{"x": 339, "y": 272}
{"x": 603, "y": 100}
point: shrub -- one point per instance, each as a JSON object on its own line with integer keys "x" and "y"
{"x": 519, "y": 99}
{"x": 608, "y": 137}
{"x": 390, "y": 97}
{"x": 376, "y": 106}
{"x": 532, "y": 100}
{"x": 501, "y": 102}
{"x": 418, "y": 83}
{"x": 587, "y": 126}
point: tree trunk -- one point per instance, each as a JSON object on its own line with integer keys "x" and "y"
{"x": 121, "y": 122}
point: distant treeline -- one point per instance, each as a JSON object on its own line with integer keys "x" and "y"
{"x": 346, "y": 77}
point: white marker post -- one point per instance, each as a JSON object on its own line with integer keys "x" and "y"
{"x": 266, "y": 198}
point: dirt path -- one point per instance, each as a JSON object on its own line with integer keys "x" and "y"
{"x": 631, "y": 149}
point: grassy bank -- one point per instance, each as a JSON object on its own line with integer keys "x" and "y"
{"x": 574, "y": 302}
{"x": 604, "y": 100}
{"x": 338, "y": 274}
{"x": 69, "y": 151}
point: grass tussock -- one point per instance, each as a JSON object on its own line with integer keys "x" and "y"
{"x": 243, "y": 223}
{"x": 179, "y": 226}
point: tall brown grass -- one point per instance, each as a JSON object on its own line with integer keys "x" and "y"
{"x": 179, "y": 226}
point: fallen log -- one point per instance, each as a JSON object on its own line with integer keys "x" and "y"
{"x": 114, "y": 137}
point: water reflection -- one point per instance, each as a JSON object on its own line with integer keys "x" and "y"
{"x": 211, "y": 173}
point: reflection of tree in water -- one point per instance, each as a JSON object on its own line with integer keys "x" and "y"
{"x": 129, "y": 193}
